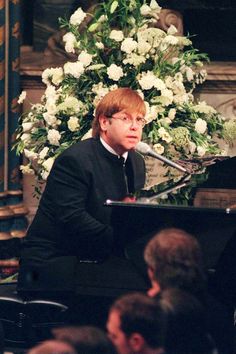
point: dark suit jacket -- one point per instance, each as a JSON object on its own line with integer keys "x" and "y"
{"x": 71, "y": 219}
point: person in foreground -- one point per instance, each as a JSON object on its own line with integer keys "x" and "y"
{"x": 136, "y": 325}
{"x": 85, "y": 339}
{"x": 72, "y": 225}
{"x": 52, "y": 346}
{"x": 174, "y": 260}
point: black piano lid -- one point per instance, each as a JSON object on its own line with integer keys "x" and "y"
{"x": 213, "y": 189}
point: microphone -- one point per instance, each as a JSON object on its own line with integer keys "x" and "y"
{"x": 145, "y": 149}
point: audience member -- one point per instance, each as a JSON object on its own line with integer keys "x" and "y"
{"x": 52, "y": 347}
{"x": 85, "y": 339}
{"x": 174, "y": 260}
{"x": 186, "y": 331}
{"x": 136, "y": 325}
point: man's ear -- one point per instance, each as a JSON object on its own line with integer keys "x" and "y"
{"x": 137, "y": 342}
{"x": 150, "y": 272}
{"x": 103, "y": 121}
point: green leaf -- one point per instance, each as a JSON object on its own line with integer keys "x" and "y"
{"x": 114, "y": 6}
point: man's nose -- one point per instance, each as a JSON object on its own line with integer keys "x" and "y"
{"x": 134, "y": 125}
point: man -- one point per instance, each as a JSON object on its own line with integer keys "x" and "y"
{"x": 85, "y": 339}
{"x": 136, "y": 325}
{"x": 72, "y": 225}
{"x": 52, "y": 347}
{"x": 174, "y": 260}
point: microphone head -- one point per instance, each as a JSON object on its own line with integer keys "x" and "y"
{"x": 143, "y": 148}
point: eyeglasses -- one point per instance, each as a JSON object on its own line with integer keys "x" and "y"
{"x": 128, "y": 120}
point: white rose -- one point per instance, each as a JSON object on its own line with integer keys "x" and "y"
{"x": 27, "y": 126}
{"x": 172, "y": 30}
{"x": 57, "y": 76}
{"x": 151, "y": 112}
{"x": 25, "y": 169}
{"x": 46, "y": 75}
{"x": 25, "y": 137}
{"x": 154, "y": 6}
{"x": 164, "y": 135}
{"x": 147, "y": 80}
{"x": 201, "y": 151}
{"x": 77, "y": 17}
{"x": 192, "y": 147}
{"x": 99, "y": 45}
{"x": 50, "y": 92}
{"x": 43, "y": 153}
{"x": 202, "y": 107}
{"x": 70, "y": 40}
{"x": 31, "y": 155}
{"x": 21, "y": 97}
{"x": 44, "y": 175}
{"x": 117, "y": 36}
{"x": 143, "y": 47}
{"x": 50, "y": 119}
{"x": 70, "y": 103}
{"x": 159, "y": 84}
{"x": 114, "y": 72}
{"x": 128, "y": 45}
{"x": 85, "y": 58}
{"x": 87, "y": 135}
{"x": 167, "y": 41}
{"x": 145, "y": 10}
{"x": 102, "y": 18}
{"x": 172, "y": 113}
{"x": 53, "y": 137}
{"x": 75, "y": 69}
{"x": 73, "y": 124}
{"x": 158, "y": 148}
{"x": 134, "y": 59}
{"x": 48, "y": 164}
{"x": 200, "y": 126}
{"x": 166, "y": 97}
{"x": 189, "y": 74}
{"x": 51, "y": 106}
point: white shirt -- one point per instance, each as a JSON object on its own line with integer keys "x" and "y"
{"x": 112, "y": 151}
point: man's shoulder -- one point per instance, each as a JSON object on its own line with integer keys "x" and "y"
{"x": 83, "y": 146}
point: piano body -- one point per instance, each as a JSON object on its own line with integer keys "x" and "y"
{"x": 203, "y": 205}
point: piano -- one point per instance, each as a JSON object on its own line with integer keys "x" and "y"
{"x": 203, "y": 204}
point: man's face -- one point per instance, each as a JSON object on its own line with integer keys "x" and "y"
{"x": 123, "y": 130}
{"x": 118, "y": 338}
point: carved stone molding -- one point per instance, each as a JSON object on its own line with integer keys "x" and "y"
{"x": 228, "y": 107}
{"x": 171, "y": 17}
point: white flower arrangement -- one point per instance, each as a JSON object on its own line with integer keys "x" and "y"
{"x": 121, "y": 47}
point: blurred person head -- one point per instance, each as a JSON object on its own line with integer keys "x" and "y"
{"x": 85, "y": 339}
{"x": 135, "y": 325}
{"x": 52, "y": 347}
{"x": 174, "y": 260}
{"x": 186, "y": 330}
{"x": 119, "y": 119}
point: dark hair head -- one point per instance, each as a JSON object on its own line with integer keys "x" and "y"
{"x": 186, "y": 330}
{"x": 141, "y": 314}
{"x": 115, "y": 101}
{"x": 175, "y": 258}
{"x": 85, "y": 339}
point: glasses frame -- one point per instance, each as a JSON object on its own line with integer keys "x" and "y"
{"x": 127, "y": 120}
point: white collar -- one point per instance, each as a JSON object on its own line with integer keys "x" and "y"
{"x": 112, "y": 151}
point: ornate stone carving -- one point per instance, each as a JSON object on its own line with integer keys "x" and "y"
{"x": 228, "y": 108}
{"x": 171, "y": 17}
